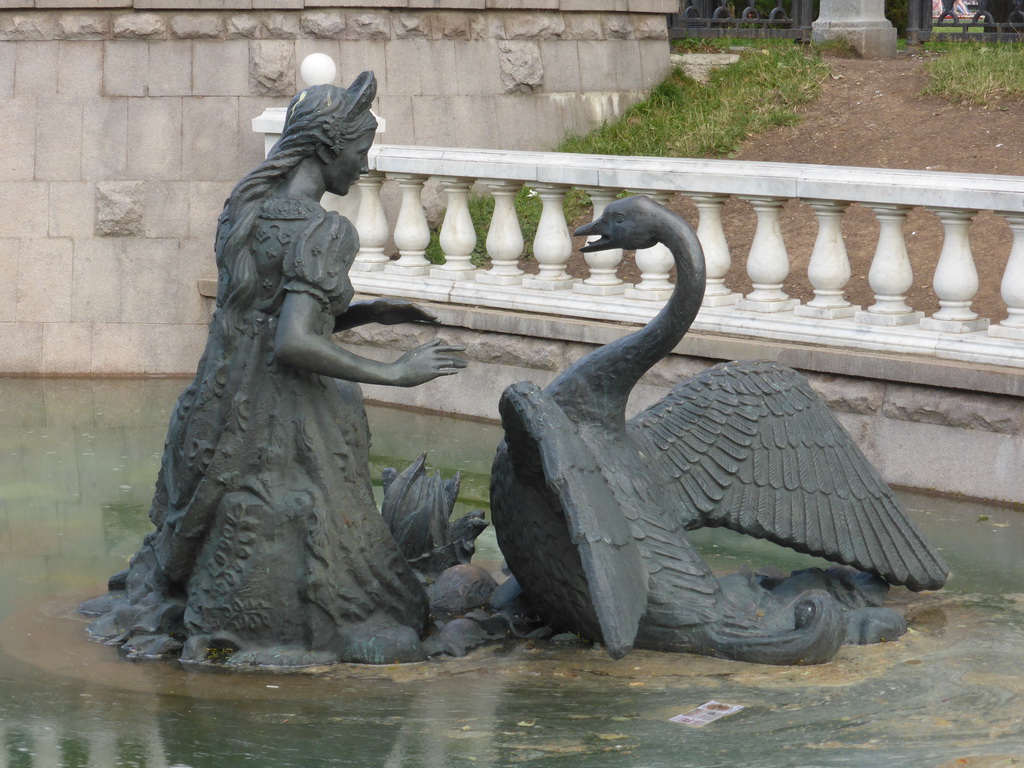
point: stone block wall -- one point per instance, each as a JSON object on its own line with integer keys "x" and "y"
{"x": 125, "y": 124}
{"x": 931, "y": 438}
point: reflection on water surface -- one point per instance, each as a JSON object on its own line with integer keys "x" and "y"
{"x": 77, "y": 464}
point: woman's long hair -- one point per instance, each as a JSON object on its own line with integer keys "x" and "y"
{"x": 321, "y": 120}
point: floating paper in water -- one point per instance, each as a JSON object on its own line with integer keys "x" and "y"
{"x": 707, "y": 713}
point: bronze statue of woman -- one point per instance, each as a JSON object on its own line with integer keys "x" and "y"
{"x": 269, "y": 548}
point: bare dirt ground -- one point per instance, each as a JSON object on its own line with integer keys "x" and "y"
{"x": 872, "y": 114}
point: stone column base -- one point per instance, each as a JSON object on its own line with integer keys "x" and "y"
{"x": 871, "y": 39}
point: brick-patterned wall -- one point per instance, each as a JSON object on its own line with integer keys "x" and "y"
{"x": 126, "y": 124}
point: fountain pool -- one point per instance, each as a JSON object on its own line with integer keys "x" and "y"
{"x": 78, "y": 459}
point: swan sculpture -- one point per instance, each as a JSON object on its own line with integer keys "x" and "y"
{"x": 591, "y": 510}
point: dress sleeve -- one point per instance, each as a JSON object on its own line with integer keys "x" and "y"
{"x": 318, "y": 262}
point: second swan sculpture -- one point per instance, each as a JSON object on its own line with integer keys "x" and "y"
{"x": 591, "y": 510}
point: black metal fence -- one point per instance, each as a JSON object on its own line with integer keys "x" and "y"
{"x": 720, "y": 18}
{"x": 984, "y": 20}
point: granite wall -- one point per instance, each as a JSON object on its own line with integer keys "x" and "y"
{"x": 126, "y": 124}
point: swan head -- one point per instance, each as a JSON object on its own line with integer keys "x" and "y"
{"x": 630, "y": 223}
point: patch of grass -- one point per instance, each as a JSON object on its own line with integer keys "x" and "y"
{"x": 683, "y": 118}
{"x": 976, "y": 73}
{"x": 705, "y": 45}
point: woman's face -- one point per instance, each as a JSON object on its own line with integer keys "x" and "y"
{"x": 347, "y": 167}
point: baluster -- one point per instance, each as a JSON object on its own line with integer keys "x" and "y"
{"x": 552, "y": 246}
{"x": 412, "y": 233}
{"x": 371, "y": 224}
{"x": 768, "y": 262}
{"x": 1012, "y": 287}
{"x": 654, "y": 263}
{"x": 102, "y": 747}
{"x": 458, "y": 238}
{"x": 829, "y": 268}
{"x": 602, "y": 281}
{"x": 46, "y": 745}
{"x": 156, "y": 753}
{"x": 956, "y": 278}
{"x": 716, "y": 249}
{"x": 504, "y": 237}
{"x": 891, "y": 275}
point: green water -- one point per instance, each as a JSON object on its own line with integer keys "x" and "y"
{"x": 77, "y": 464}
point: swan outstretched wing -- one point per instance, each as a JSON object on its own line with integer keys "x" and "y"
{"x": 749, "y": 446}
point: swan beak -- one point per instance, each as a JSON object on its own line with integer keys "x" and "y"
{"x": 593, "y": 229}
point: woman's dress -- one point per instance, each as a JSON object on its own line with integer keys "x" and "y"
{"x": 267, "y": 536}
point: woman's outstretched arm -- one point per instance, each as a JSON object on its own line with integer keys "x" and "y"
{"x": 298, "y": 343}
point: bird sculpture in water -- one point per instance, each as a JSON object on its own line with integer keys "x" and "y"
{"x": 417, "y": 508}
{"x": 591, "y": 510}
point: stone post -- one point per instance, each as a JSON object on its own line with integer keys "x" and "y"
{"x": 861, "y": 23}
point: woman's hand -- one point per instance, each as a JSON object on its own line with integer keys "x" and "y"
{"x": 427, "y": 362}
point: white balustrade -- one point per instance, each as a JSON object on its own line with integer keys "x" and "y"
{"x": 768, "y": 262}
{"x": 891, "y": 275}
{"x": 372, "y": 225}
{"x": 889, "y": 325}
{"x": 1012, "y": 287}
{"x": 655, "y": 263}
{"x": 956, "y": 277}
{"x": 717, "y": 257}
{"x": 505, "y": 241}
{"x": 603, "y": 280}
{"x": 829, "y": 268}
{"x": 412, "y": 232}
{"x": 457, "y": 237}
{"x": 552, "y": 245}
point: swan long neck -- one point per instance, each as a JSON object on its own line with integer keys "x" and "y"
{"x": 596, "y": 388}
